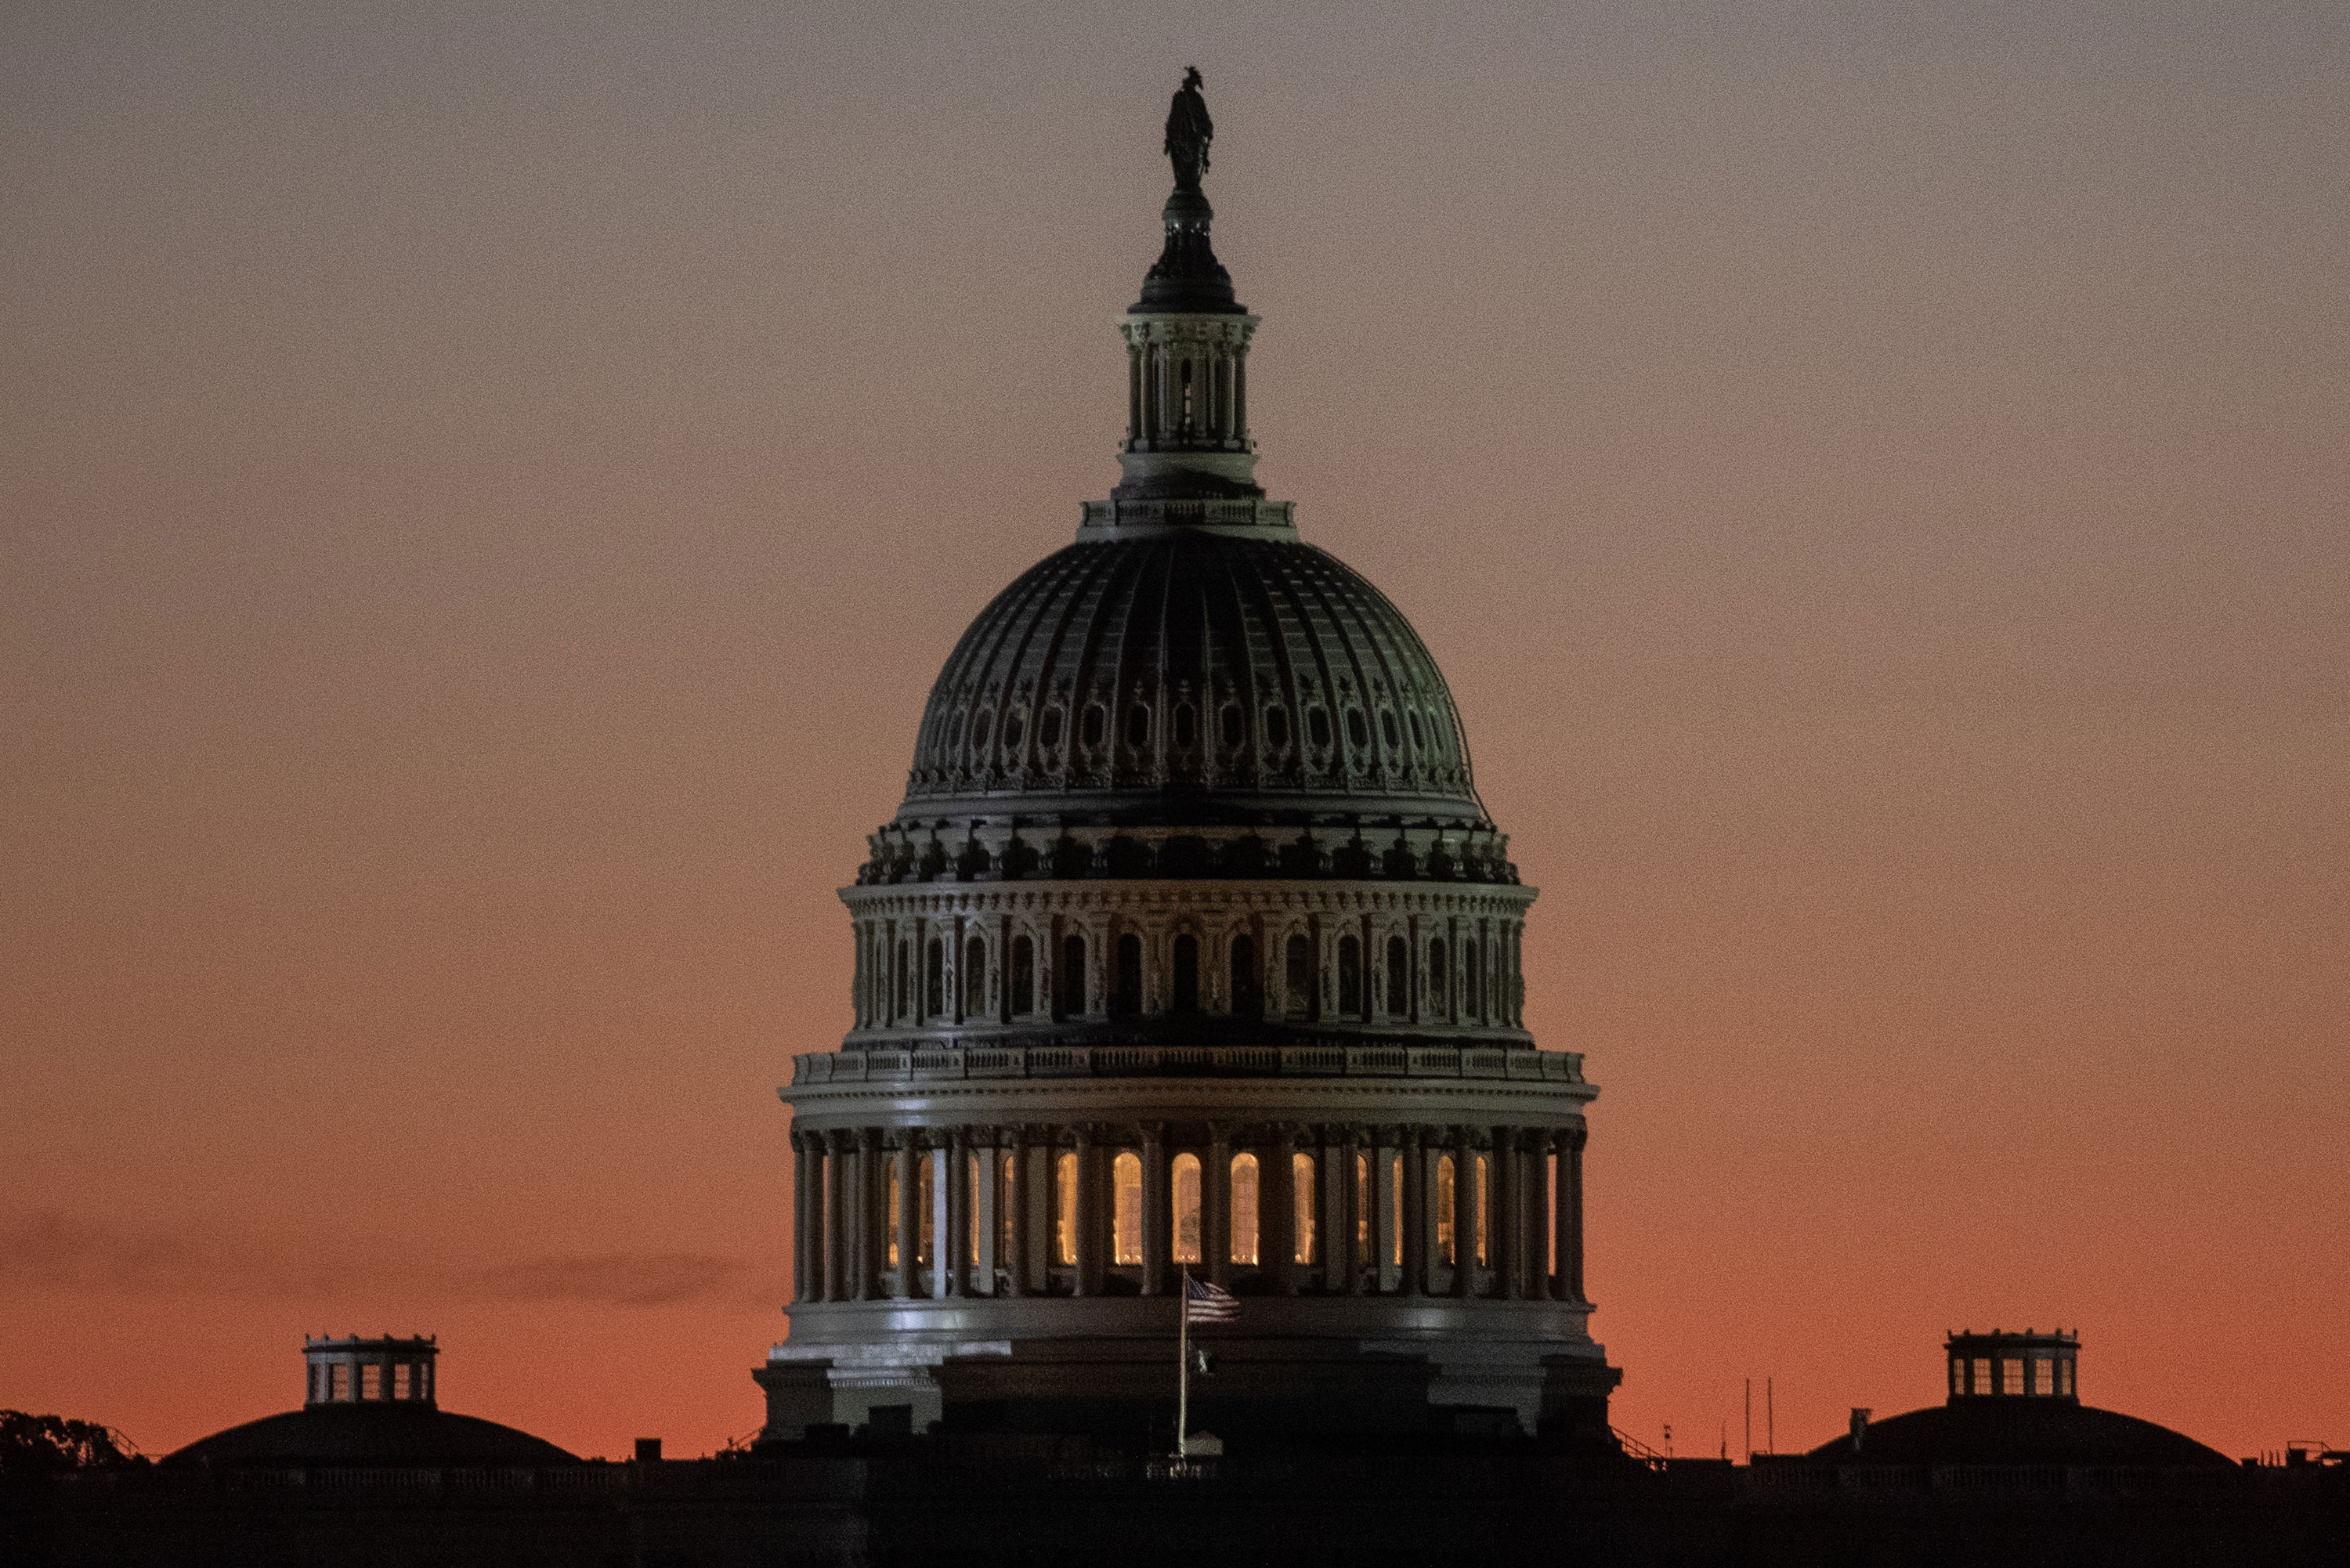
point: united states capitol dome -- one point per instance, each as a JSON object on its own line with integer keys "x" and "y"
{"x": 1189, "y": 688}
{"x": 1193, "y": 677}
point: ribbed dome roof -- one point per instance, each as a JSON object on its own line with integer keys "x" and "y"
{"x": 1191, "y": 676}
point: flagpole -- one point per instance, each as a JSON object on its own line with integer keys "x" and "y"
{"x": 1183, "y": 1366}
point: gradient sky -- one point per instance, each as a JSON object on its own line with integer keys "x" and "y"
{"x": 484, "y": 490}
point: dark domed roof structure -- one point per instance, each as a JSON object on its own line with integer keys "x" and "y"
{"x": 371, "y": 1434}
{"x": 1189, "y": 677}
{"x": 370, "y": 1402}
{"x": 2021, "y": 1432}
{"x": 2014, "y": 1400}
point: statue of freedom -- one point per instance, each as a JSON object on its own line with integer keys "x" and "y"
{"x": 1188, "y": 131}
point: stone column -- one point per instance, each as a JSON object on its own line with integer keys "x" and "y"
{"x": 1536, "y": 1188}
{"x": 1464, "y": 1212}
{"x": 834, "y": 1286}
{"x": 1381, "y": 1197}
{"x": 987, "y": 1220}
{"x": 1508, "y": 1237}
{"x": 1354, "y": 1197}
{"x": 908, "y": 1218}
{"x": 1086, "y": 1222}
{"x": 1337, "y": 1232}
{"x": 803, "y": 1210}
{"x": 1216, "y": 1204}
{"x": 954, "y": 1251}
{"x": 1418, "y": 1246}
{"x": 1562, "y": 1280}
{"x": 1277, "y": 1231}
{"x": 1016, "y": 1194}
{"x": 942, "y": 1241}
{"x": 1157, "y": 1209}
{"x": 1570, "y": 1258}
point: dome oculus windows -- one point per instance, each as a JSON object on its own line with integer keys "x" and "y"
{"x": 1137, "y": 726}
{"x": 1048, "y": 729}
{"x": 1186, "y": 727}
{"x": 1388, "y": 729}
{"x": 1231, "y": 723}
{"x": 1358, "y": 733}
{"x": 1317, "y": 726}
{"x": 1276, "y": 729}
{"x": 1095, "y": 721}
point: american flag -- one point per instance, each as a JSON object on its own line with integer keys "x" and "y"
{"x": 1204, "y": 1303}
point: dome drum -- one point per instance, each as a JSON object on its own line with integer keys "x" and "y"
{"x": 1211, "y": 963}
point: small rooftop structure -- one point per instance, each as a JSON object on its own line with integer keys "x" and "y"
{"x": 2003, "y": 1366}
{"x": 351, "y": 1369}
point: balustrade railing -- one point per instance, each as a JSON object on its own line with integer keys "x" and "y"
{"x": 1186, "y": 1061}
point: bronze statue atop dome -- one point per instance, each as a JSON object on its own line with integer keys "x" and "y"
{"x": 1188, "y": 131}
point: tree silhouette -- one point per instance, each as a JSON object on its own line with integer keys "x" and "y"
{"x": 30, "y": 1442}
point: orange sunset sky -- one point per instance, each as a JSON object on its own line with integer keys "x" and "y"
{"x": 484, "y": 490}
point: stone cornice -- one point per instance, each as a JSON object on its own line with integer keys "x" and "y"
{"x": 1169, "y": 896}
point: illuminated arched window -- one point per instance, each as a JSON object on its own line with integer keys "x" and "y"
{"x": 1300, "y": 1184}
{"x": 1186, "y": 1209}
{"x": 1445, "y": 1209}
{"x": 1024, "y": 976}
{"x": 1367, "y": 1202}
{"x": 926, "y": 1207}
{"x": 975, "y": 1178}
{"x": 1126, "y": 1209}
{"x": 1065, "y": 1208}
{"x": 890, "y": 1210}
{"x": 974, "y": 978}
{"x": 1394, "y": 1207}
{"x": 1006, "y": 1194}
{"x": 1398, "y": 977}
{"x": 1244, "y": 1209}
{"x": 1481, "y": 1200}
{"x": 934, "y": 979}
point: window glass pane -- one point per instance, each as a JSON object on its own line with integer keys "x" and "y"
{"x": 2011, "y": 1375}
{"x": 1982, "y": 1378}
{"x": 1395, "y": 1200}
{"x": 1301, "y": 1181}
{"x": 1065, "y": 1208}
{"x": 1186, "y": 1209}
{"x": 926, "y": 1203}
{"x": 1244, "y": 1209}
{"x": 890, "y": 1210}
{"x": 1480, "y": 1203}
{"x": 1126, "y": 1222}
{"x": 1443, "y": 1188}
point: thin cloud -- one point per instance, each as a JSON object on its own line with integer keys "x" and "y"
{"x": 617, "y": 1279}
{"x": 49, "y": 1253}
